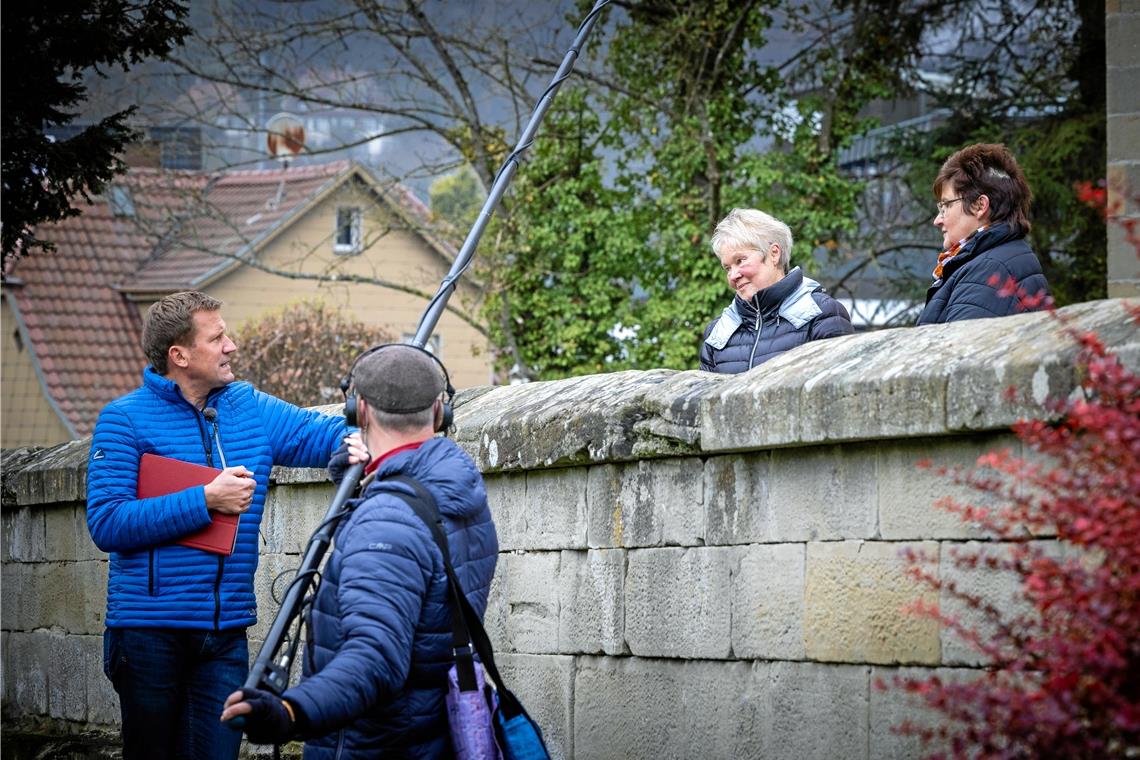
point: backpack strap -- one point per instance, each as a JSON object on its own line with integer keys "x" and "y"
{"x": 425, "y": 507}
{"x": 423, "y": 504}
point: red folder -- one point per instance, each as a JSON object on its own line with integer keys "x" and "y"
{"x": 159, "y": 476}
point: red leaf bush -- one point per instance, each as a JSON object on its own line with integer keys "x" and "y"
{"x": 1063, "y": 679}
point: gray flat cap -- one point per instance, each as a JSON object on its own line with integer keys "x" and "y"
{"x": 398, "y": 379}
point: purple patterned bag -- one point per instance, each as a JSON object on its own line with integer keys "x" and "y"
{"x": 469, "y": 718}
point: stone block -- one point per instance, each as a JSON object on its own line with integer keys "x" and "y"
{"x": 865, "y": 393}
{"x": 24, "y": 536}
{"x": 550, "y": 515}
{"x": 292, "y": 514}
{"x": 67, "y": 533}
{"x": 102, "y": 701}
{"x": 768, "y": 603}
{"x": 907, "y": 492}
{"x": 545, "y": 686}
{"x": 1122, "y": 41}
{"x": 591, "y": 602}
{"x": 634, "y": 708}
{"x": 67, "y": 676}
{"x": 5, "y": 666}
{"x": 1038, "y": 366}
{"x": 813, "y": 711}
{"x": 69, "y": 595}
{"x": 498, "y": 605}
{"x": 890, "y": 706}
{"x": 506, "y": 495}
{"x": 855, "y": 592}
{"x": 823, "y": 493}
{"x": 270, "y": 583}
{"x": 28, "y": 657}
{"x": 649, "y": 503}
{"x": 1123, "y": 137}
{"x": 994, "y": 586}
{"x": 1124, "y": 181}
{"x": 1123, "y": 264}
{"x": 738, "y": 509}
{"x": 1121, "y": 93}
{"x": 528, "y": 602}
{"x": 678, "y": 602}
{"x": 655, "y": 709}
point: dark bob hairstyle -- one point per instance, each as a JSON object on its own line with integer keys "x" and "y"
{"x": 991, "y": 170}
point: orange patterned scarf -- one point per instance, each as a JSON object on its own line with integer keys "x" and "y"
{"x": 952, "y": 251}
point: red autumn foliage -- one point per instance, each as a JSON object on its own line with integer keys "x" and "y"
{"x": 1065, "y": 675}
{"x": 1063, "y": 679}
{"x": 301, "y": 352}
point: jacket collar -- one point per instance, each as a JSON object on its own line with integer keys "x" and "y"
{"x": 987, "y": 239}
{"x": 770, "y": 298}
{"x": 167, "y": 389}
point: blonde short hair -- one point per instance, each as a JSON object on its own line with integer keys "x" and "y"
{"x": 751, "y": 228}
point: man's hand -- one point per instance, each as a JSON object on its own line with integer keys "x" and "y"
{"x": 268, "y": 719}
{"x": 357, "y": 451}
{"x": 350, "y": 452}
{"x": 231, "y": 492}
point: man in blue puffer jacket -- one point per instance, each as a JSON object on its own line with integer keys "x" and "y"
{"x": 774, "y": 310}
{"x": 380, "y": 628}
{"x": 175, "y": 642}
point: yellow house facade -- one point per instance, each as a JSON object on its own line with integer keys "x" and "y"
{"x": 257, "y": 240}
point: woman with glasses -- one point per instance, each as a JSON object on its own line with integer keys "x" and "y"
{"x": 986, "y": 269}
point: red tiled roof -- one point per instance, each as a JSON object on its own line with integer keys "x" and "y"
{"x": 84, "y": 333}
{"x": 212, "y": 225}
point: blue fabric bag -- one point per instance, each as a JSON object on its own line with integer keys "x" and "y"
{"x": 486, "y": 723}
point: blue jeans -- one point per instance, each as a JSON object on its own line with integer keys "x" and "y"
{"x": 172, "y": 683}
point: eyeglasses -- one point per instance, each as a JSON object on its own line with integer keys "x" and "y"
{"x": 943, "y": 205}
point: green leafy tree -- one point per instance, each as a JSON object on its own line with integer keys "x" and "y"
{"x": 47, "y": 49}
{"x": 456, "y": 198}
{"x": 1027, "y": 74}
{"x": 300, "y": 352}
{"x": 612, "y": 226}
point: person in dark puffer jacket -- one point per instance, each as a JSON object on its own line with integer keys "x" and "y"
{"x": 774, "y": 310}
{"x": 986, "y": 268}
{"x": 380, "y": 630}
{"x": 175, "y": 643}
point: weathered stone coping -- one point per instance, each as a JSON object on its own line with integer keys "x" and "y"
{"x": 905, "y": 382}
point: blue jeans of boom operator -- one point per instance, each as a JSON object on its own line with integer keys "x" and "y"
{"x": 172, "y": 683}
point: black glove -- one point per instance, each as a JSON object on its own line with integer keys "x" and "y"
{"x": 268, "y": 721}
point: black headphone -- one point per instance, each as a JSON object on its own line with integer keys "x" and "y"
{"x": 350, "y": 399}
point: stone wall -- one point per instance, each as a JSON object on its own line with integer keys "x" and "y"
{"x": 1122, "y": 100}
{"x": 691, "y": 565}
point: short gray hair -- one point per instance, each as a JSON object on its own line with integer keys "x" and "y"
{"x": 403, "y": 423}
{"x": 751, "y": 228}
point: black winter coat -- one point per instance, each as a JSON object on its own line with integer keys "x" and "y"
{"x": 965, "y": 290}
{"x": 778, "y": 318}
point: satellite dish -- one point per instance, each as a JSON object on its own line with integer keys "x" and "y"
{"x": 285, "y": 135}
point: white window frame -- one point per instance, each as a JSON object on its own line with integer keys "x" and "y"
{"x": 355, "y": 223}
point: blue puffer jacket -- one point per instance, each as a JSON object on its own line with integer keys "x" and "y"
{"x": 965, "y": 291}
{"x": 380, "y": 628}
{"x": 154, "y": 583}
{"x": 778, "y": 318}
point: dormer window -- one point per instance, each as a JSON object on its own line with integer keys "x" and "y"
{"x": 348, "y": 231}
